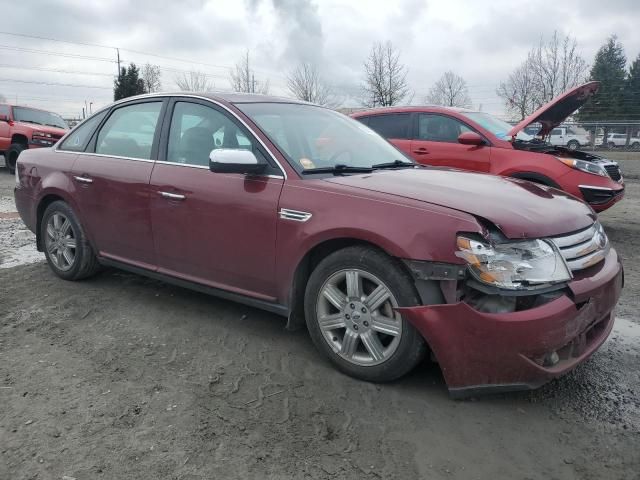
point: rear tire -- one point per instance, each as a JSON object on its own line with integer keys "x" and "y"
{"x": 573, "y": 145}
{"x": 65, "y": 243}
{"x": 11, "y": 156}
{"x": 349, "y": 303}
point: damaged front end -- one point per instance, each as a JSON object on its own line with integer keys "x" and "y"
{"x": 519, "y": 312}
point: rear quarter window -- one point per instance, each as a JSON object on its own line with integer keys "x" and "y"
{"x": 80, "y": 135}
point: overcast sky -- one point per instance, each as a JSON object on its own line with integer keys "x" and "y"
{"x": 480, "y": 40}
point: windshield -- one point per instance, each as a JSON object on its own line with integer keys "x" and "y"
{"x": 315, "y": 137}
{"x": 498, "y": 127}
{"x": 38, "y": 117}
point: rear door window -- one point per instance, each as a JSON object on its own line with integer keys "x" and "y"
{"x": 392, "y": 125}
{"x": 130, "y": 131}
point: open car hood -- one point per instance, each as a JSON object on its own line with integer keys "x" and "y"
{"x": 557, "y": 110}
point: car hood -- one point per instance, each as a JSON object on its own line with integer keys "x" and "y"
{"x": 519, "y": 208}
{"x": 54, "y": 131}
{"x": 557, "y": 110}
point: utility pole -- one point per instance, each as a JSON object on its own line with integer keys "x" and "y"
{"x": 118, "y": 54}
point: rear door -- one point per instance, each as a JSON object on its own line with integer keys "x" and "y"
{"x": 436, "y": 143}
{"x": 395, "y": 127}
{"x": 217, "y": 229}
{"x": 112, "y": 182}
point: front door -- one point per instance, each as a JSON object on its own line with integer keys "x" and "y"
{"x": 436, "y": 143}
{"x": 218, "y": 229}
{"x": 112, "y": 183}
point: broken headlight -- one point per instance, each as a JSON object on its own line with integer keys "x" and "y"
{"x": 522, "y": 264}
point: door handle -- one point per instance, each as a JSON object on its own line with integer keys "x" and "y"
{"x": 421, "y": 151}
{"x": 83, "y": 179}
{"x": 172, "y": 196}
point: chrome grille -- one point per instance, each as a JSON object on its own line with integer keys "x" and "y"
{"x": 584, "y": 248}
{"x": 613, "y": 170}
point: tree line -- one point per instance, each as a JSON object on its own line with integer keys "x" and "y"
{"x": 553, "y": 66}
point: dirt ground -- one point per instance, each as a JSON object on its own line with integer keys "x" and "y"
{"x": 121, "y": 377}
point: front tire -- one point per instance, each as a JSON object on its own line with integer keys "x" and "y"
{"x": 11, "y": 156}
{"x": 573, "y": 145}
{"x": 349, "y": 309}
{"x": 65, "y": 243}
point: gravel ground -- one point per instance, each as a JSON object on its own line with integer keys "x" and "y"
{"x": 124, "y": 377}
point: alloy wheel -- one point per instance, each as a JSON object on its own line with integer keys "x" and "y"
{"x": 60, "y": 242}
{"x": 355, "y": 313}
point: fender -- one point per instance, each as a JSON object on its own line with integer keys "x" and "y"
{"x": 535, "y": 177}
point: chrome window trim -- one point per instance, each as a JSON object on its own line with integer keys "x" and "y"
{"x": 70, "y": 152}
{"x": 204, "y": 167}
{"x": 178, "y": 95}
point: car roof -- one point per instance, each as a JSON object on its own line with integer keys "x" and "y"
{"x": 233, "y": 98}
{"x": 412, "y": 108}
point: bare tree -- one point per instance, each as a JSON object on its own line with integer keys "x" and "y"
{"x": 194, "y": 81}
{"x": 385, "y": 82}
{"x": 557, "y": 66}
{"x": 550, "y": 68}
{"x": 151, "y": 78}
{"x": 519, "y": 92}
{"x": 243, "y": 78}
{"x": 450, "y": 90}
{"x": 304, "y": 83}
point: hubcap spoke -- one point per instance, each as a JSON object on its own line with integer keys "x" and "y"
{"x": 373, "y": 345}
{"x": 64, "y": 228}
{"x": 51, "y": 231}
{"x": 349, "y": 343}
{"x": 59, "y": 257}
{"x": 331, "y": 322}
{"x": 387, "y": 325}
{"x": 70, "y": 243}
{"x": 353, "y": 284}
{"x": 377, "y": 298}
{"x": 56, "y": 222}
{"x": 335, "y": 296}
{"x": 68, "y": 256}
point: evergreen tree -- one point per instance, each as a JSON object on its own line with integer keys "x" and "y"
{"x": 609, "y": 68}
{"x": 632, "y": 91}
{"x": 128, "y": 83}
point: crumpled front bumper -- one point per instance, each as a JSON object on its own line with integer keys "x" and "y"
{"x": 480, "y": 351}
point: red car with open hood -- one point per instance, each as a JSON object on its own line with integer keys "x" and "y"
{"x": 478, "y": 141}
{"x": 307, "y": 213}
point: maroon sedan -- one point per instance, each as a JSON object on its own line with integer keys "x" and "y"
{"x": 304, "y": 212}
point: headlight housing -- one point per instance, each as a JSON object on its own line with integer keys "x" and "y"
{"x": 518, "y": 265}
{"x": 584, "y": 166}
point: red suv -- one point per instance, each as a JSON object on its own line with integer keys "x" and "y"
{"x": 477, "y": 141}
{"x": 25, "y": 127}
{"x": 304, "y": 212}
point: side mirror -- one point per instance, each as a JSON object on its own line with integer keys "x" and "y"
{"x": 4, "y": 118}
{"x": 227, "y": 160}
{"x": 471, "y": 138}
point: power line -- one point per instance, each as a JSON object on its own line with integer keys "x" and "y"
{"x": 59, "y": 54}
{"x": 53, "y": 83}
{"x": 76, "y": 72}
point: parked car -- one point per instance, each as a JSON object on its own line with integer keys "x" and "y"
{"x": 304, "y": 212}
{"x": 478, "y": 141}
{"x": 619, "y": 140}
{"x": 569, "y": 137}
{"x": 25, "y": 127}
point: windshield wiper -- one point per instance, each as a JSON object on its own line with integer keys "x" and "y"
{"x": 394, "y": 164}
{"x": 29, "y": 121}
{"x": 338, "y": 169}
{"x": 53, "y": 125}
